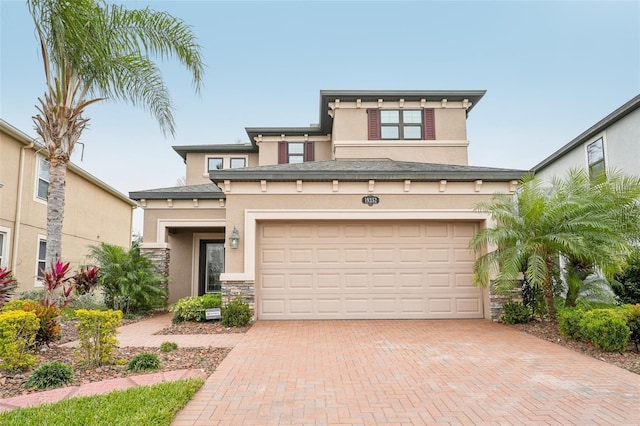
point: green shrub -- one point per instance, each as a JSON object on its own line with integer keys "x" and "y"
{"x": 50, "y": 375}
{"x": 144, "y": 362}
{"x": 18, "y": 331}
{"x": 37, "y": 295}
{"x": 130, "y": 281}
{"x": 188, "y": 309}
{"x": 632, "y": 317}
{"x": 211, "y": 301}
{"x": 15, "y": 305}
{"x": 516, "y": 313}
{"x": 48, "y": 315}
{"x": 626, "y": 284}
{"x": 569, "y": 323}
{"x": 236, "y": 313}
{"x": 606, "y": 329}
{"x": 87, "y": 301}
{"x": 97, "y": 336}
{"x": 168, "y": 346}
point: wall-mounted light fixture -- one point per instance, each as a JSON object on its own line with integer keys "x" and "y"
{"x": 234, "y": 239}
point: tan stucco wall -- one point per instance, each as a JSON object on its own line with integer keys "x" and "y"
{"x": 423, "y": 152}
{"x": 319, "y": 196}
{"x": 451, "y": 124}
{"x": 350, "y": 125}
{"x": 180, "y": 264}
{"x": 153, "y": 215}
{"x": 92, "y": 214}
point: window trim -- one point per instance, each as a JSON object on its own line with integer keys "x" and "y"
{"x": 244, "y": 159}
{"x": 5, "y": 247}
{"x": 211, "y": 157}
{"x": 38, "y": 279}
{"x": 37, "y": 196}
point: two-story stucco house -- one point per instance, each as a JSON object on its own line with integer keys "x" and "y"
{"x": 611, "y": 143}
{"x": 94, "y": 211}
{"x": 366, "y": 215}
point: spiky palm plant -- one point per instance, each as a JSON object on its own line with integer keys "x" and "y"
{"x": 94, "y": 51}
{"x": 574, "y": 218}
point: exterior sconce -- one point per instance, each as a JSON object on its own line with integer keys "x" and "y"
{"x": 234, "y": 239}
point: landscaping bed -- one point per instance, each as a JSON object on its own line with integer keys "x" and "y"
{"x": 208, "y": 327}
{"x": 206, "y": 359}
{"x": 548, "y": 330}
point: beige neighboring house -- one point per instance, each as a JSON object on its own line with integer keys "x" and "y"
{"x": 94, "y": 212}
{"x": 611, "y": 143}
{"x": 367, "y": 214}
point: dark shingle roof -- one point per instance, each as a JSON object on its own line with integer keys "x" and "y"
{"x": 202, "y": 191}
{"x": 358, "y": 170}
{"x": 610, "y": 119}
{"x": 183, "y": 150}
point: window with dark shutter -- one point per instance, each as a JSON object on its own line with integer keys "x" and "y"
{"x": 429, "y": 124}
{"x": 309, "y": 154}
{"x": 373, "y": 115}
{"x": 282, "y": 153}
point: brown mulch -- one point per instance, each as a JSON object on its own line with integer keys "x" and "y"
{"x": 209, "y": 327}
{"x": 548, "y": 330}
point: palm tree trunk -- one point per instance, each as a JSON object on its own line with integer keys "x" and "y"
{"x": 55, "y": 207}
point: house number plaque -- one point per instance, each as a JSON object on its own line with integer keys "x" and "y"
{"x": 370, "y": 200}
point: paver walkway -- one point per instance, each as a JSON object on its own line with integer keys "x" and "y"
{"x": 409, "y": 372}
{"x": 140, "y": 334}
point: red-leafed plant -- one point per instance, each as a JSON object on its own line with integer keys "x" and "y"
{"x": 55, "y": 278}
{"x": 86, "y": 279}
{"x": 7, "y": 285}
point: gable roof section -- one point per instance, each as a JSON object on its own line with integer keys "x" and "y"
{"x": 610, "y": 119}
{"x": 232, "y": 148}
{"x": 27, "y": 140}
{"x": 327, "y": 96}
{"x": 382, "y": 170}
{"x": 205, "y": 191}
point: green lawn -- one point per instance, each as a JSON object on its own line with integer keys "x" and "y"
{"x": 143, "y": 405}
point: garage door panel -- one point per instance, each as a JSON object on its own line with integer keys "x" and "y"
{"x": 333, "y": 270}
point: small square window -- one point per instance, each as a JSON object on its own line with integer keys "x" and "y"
{"x": 392, "y": 117}
{"x": 296, "y": 152}
{"x": 214, "y": 164}
{"x": 412, "y": 117}
{"x": 237, "y": 163}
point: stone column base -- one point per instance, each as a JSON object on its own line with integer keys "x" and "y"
{"x": 246, "y": 289}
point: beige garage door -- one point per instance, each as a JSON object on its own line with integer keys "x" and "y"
{"x": 365, "y": 270}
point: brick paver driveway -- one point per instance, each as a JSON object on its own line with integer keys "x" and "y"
{"x": 409, "y": 372}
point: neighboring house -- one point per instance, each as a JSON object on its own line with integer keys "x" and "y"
{"x": 612, "y": 143}
{"x": 94, "y": 212}
{"x": 366, "y": 215}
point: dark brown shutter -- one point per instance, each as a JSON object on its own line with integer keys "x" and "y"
{"x": 374, "y": 123}
{"x": 429, "y": 124}
{"x": 309, "y": 155}
{"x": 282, "y": 153}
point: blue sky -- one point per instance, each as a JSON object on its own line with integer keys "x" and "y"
{"x": 551, "y": 70}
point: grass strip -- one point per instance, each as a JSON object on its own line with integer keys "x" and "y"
{"x": 141, "y": 405}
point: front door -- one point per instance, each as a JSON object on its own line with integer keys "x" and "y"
{"x": 211, "y": 265}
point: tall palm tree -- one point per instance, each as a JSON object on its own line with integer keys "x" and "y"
{"x": 593, "y": 224}
{"x": 94, "y": 51}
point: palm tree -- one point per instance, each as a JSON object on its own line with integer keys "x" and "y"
{"x": 588, "y": 223}
{"x": 95, "y": 51}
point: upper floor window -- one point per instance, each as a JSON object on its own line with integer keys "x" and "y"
{"x": 237, "y": 163}
{"x": 42, "y": 179}
{"x": 401, "y": 124}
{"x": 214, "y": 164}
{"x": 295, "y": 152}
{"x": 595, "y": 160}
